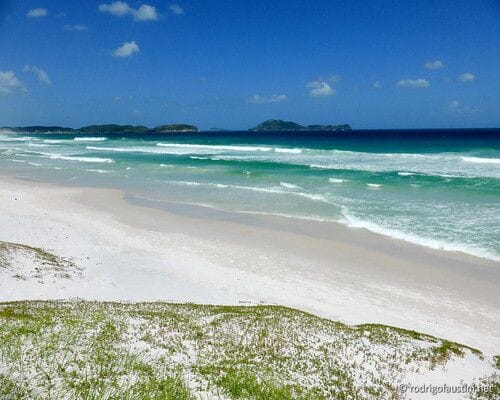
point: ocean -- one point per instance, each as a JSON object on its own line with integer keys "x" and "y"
{"x": 436, "y": 188}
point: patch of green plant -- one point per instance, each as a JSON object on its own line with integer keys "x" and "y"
{"x": 242, "y": 384}
{"x": 168, "y": 388}
{"x": 111, "y": 350}
{"x": 442, "y": 353}
{"x": 10, "y": 390}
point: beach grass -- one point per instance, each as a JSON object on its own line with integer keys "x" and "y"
{"x": 106, "y": 350}
{"x": 136, "y": 351}
{"x": 28, "y": 262}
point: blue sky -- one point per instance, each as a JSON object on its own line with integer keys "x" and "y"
{"x": 232, "y": 64}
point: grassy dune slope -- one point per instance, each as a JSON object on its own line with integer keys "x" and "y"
{"x": 92, "y": 350}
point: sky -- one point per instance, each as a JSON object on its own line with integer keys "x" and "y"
{"x": 232, "y": 64}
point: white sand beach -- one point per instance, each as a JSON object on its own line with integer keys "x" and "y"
{"x": 130, "y": 252}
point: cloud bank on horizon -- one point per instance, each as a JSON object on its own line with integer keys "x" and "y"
{"x": 209, "y": 63}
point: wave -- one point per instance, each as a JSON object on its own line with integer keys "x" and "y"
{"x": 13, "y": 139}
{"x": 286, "y": 150}
{"x": 355, "y": 222}
{"x": 312, "y": 196}
{"x": 289, "y": 185}
{"x": 406, "y": 173}
{"x": 272, "y": 190}
{"x": 438, "y": 175}
{"x": 30, "y": 144}
{"x": 224, "y": 186}
{"x": 336, "y": 180}
{"x": 199, "y": 158}
{"x": 241, "y": 148}
{"x": 134, "y": 149}
{"x": 215, "y": 147}
{"x": 77, "y": 158}
{"x": 481, "y": 160}
{"x": 318, "y": 166}
{"x": 99, "y": 171}
{"x": 374, "y": 185}
{"x": 404, "y": 164}
{"x": 90, "y": 139}
{"x": 54, "y": 141}
{"x": 115, "y": 149}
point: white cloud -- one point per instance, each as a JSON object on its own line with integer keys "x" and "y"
{"x": 37, "y": 13}
{"x": 145, "y": 13}
{"x": 75, "y": 28}
{"x": 436, "y": 64}
{"x": 320, "y": 89}
{"x": 467, "y": 77}
{"x": 176, "y": 9}
{"x": 275, "y": 98}
{"x": 377, "y": 85}
{"x": 120, "y": 9}
{"x": 127, "y": 49}
{"x": 117, "y": 8}
{"x": 455, "y": 107}
{"x": 40, "y": 73}
{"x": 415, "y": 83}
{"x": 9, "y": 82}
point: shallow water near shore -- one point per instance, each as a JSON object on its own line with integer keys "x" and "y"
{"x": 439, "y": 188}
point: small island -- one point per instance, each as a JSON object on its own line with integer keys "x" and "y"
{"x": 112, "y": 128}
{"x": 280, "y": 125}
{"x": 38, "y": 129}
{"x": 175, "y": 128}
{"x": 106, "y": 129}
{"x": 266, "y": 126}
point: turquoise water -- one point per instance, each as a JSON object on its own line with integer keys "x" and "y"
{"x": 436, "y": 188}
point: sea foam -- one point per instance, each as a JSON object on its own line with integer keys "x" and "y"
{"x": 90, "y": 139}
{"x": 355, "y": 222}
{"x": 481, "y": 160}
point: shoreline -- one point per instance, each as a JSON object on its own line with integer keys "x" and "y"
{"x": 132, "y": 252}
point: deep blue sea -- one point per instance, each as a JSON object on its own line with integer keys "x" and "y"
{"x": 437, "y": 188}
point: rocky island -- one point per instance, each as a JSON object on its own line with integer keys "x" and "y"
{"x": 175, "y": 128}
{"x": 38, "y": 129}
{"x": 280, "y": 125}
{"x": 112, "y": 128}
{"x": 106, "y": 129}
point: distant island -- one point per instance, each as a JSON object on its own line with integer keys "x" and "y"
{"x": 266, "y": 126}
{"x": 280, "y": 125}
{"x": 175, "y": 128}
{"x": 38, "y": 129}
{"x": 105, "y": 129}
{"x": 111, "y": 128}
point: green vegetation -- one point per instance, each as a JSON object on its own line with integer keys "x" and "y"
{"x": 105, "y": 129}
{"x": 111, "y": 128}
{"x": 39, "y": 129}
{"x": 280, "y": 125}
{"x": 26, "y": 262}
{"x": 175, "y": 128}
{"x": 341, "y": 127}
{"x": 93, "y": 350}
{"x": 269, "y": 125}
